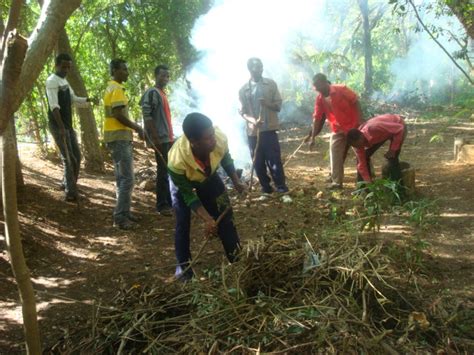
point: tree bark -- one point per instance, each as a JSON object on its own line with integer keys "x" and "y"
{"x": 368, "y": 82}
{"x": 13, "y": 241}
{"x": 11, "y": 68}
{"x": 20, "y": 182}
{"x": 93, "y": 159}
{"x": 13, "y": 18}
{"x": 23, "y": 65}
{"x": 42, "y": 41}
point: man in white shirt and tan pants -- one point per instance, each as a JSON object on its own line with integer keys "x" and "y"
{"x": 60, "y": 99}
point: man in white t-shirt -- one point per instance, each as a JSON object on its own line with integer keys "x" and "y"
{"x": 60, "y": 99}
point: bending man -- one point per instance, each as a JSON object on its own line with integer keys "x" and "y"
{"x": 370, "y": 136}
{"x": 195, "y": 186}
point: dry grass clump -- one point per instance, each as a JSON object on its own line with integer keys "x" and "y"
{"x": 287, "y": 294}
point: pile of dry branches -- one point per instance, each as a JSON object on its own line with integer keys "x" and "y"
{"x": 287, "y": 294}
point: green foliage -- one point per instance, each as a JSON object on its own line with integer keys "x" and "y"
{"x": 143, "y": 32}
{"x": 422, "y": 213}
{"x": 377, "y": 197}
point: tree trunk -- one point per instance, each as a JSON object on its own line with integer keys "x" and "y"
{"x": 464, "y": 11}
{"x": 36, "y": 127}
{"x": 13, "y": 241}
{"x": 93, "y": 158}
{"x": 20, "y": 182}
{"x": 42, "y": 41}
{"x": 23, "y": 65}
{"x": 368, "y": 82}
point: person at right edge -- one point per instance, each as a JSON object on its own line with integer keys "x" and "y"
{"x": 260, "y": 103}
{"x": 340, "y": 106}
{"x": 196, "y": 186}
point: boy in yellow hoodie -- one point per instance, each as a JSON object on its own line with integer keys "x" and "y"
{"x": 195, "y": 185}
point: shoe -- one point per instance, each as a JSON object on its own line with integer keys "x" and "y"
{"x": 134, "y": 218}
{"x": 267, "y": 190}
{"x": 184, "y": 274}
{"x": 335, "y": 186}
{"x": 127, "y": 225}
{"x": 166, "y": 211}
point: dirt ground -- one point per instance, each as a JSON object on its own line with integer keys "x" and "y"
{"x": 77, "y": 258}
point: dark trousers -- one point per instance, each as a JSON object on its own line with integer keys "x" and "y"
{"x": 215, "y": 200}
{"x": 163, "y": 197}
{"x": 70, "y": 155}
{"x": 268, "y": 155}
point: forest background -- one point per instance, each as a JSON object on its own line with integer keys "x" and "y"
{"x": 405, "y": 53}
{"x": 379, "y": 48}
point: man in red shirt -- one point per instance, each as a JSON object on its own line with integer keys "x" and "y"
{"x": 340, "y": 106}
{"x": 159, "y": 132}
{"x": 370, "y": 136}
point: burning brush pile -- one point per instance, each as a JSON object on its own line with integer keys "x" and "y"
{"x": 287, "y": 294}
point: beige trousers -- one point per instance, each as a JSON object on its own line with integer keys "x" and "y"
{"x": 337, "y": 154}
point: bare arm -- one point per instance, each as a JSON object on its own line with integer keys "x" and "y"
{"x": 118, "y": 114}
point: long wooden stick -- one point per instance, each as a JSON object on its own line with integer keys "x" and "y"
{"x": 255, "y": 151}
{"x": 206, "y": 240}
{"x": 254, "y": 159}
{"x": 154, "y": 147}
{"x": 294, "y": 153}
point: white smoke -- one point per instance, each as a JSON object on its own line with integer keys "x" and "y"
{"x": 235, "y": 30}
{"x": 426, "y": 70}
{"x": 227, "y": 36}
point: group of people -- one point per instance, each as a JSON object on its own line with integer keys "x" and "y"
{"x": 187, "y": 178}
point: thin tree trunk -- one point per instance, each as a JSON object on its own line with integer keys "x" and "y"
{"x": 35, "y": 113}
{"x": 13, "y": 241}
{"x": 11, "y": 69}
{"x": 42, "y": 41}
{"x": 13, "y": 18}
{"x": 20, "y": 182}
{"x": 368, "y": 82}
{"x": 93, "y": 158}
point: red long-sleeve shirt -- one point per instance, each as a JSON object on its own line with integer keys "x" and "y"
{"x": 377, "y": 130}
{"x": 340, "y": 108}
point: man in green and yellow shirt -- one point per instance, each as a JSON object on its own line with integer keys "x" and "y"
{"x": 195, "y": 186}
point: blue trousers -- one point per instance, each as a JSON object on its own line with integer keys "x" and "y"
{"x": 122, "y": 155}
{"x": 268, "y": 156}
{"x": 70, "y": 155}
{"x": 215, "y": 200}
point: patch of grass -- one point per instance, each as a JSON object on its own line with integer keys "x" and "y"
{"x": 377, "y": 197}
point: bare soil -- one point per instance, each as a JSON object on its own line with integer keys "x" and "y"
{"x": 77, "y": 258}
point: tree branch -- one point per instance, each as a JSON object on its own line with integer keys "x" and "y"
{"x": 439, "y": 43}
{"x": 13, "y": 18}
